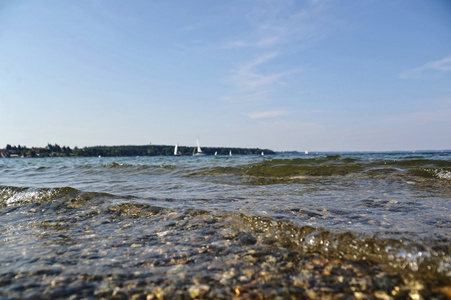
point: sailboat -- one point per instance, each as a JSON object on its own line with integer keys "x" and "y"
{"x": 199, "y": 151}
{"x": 230, "y": 152}
{"x": 176, "y": 152}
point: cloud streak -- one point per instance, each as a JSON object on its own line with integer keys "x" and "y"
{"x": 249, "y": 79}
{"x": 273, "y": 25}
{"x": 437, "y": 66}
{"x": 282, "y": 23}
{"x": 268, "y": 114}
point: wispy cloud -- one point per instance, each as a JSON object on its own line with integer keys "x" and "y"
{"x": 255, "y": 80}
{"x": 274, "y": 23}
{"x": 257, "y": 40}
{"x": 248, "y": 78}
{"x": 273, "y": 26}
{"x": 267, "y": 114}
{"x": 437, "y": 66}
{"x": 246, "y": 97}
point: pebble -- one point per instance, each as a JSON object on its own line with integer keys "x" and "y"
{"x": 382, "y": 295}
{"x": 196, "y": 291}
{"x": 198, "y": 257}
{"x": 446, "y": 291}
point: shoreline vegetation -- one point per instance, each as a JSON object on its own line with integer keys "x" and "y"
{"x": 128, "y": 150}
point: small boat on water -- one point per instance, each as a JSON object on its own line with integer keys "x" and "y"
{"x": 230, "y": 152}
{"x": 199, "y": 150}
{"x": 306, "y": 152}
{"x": 176, "y": 152}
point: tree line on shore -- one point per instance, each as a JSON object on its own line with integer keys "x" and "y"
{"x": 145, "y": 150}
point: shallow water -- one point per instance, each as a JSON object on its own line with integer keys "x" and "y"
{"x": 306, "y": 226}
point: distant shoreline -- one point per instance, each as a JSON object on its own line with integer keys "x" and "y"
{"x": 113, "y": 151}
{"x": 162, "y": 150}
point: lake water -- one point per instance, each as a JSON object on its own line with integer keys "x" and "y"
{"x": 356, "y": 225}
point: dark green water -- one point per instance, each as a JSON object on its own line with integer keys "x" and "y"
{"x": 359, "y": 225}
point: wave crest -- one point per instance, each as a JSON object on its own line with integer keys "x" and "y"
{"x": 403, "y": 255}
{"x": 10, "y": 196}
{"x": 288, "y": 170}
{"x": 14, "y": 195}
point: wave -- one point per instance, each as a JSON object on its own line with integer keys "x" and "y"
{"x": 69, "y": 211}
{"x": 16, "y": 195}
{"x": 407, "y": 256}
{"x": 117, "y": 167}
{"x": 141, "y": 167}
{"x": 444, "y": 174}
{"x": 286, "y": 170}
{"x": 25, "y": 195}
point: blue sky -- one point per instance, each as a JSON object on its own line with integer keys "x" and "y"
{"x": 286, "y": 75}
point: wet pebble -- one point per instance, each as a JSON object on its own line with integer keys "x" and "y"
{"x": 197, "y": 291}
{"x": 176, "y": 257}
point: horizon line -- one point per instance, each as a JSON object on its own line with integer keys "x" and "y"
{"x": 277, "y": 151}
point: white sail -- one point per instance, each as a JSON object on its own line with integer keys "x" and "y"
{"x": 175, "y": 149}
{"x": 198, "y": 147}
{"x": 230, "y": 152}
{"x": 199, "y": 150}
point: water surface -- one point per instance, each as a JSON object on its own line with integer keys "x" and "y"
{"x": 305, "y": 226}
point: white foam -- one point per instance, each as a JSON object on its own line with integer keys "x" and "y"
{"x": 22, "y": 197}
{"x": 30, "y": 195}
{"x": 442, "y": 174}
